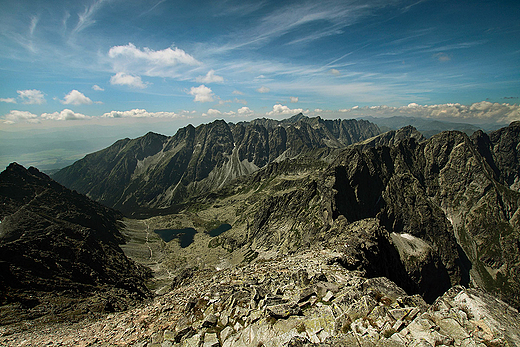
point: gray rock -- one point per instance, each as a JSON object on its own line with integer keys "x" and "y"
{"x": 210, "y": 320}
{"x": 211, "y": 340}
{"x": 284, "y": 310}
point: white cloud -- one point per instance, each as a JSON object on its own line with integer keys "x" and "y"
{"x": 97, "y": 88}
{"x": 8, "y": 100}
{"x": 124, "y": 79}
{"x": 263, "y": 90}
{"x": 484, "y": 111}
{"x": 237, "y": 92}
{"x": 318, "y": 110}
{"x": 86, "y": 19}
{"x": 202, "y": 93}
{"x": 66, "y": 114}
{"x": 20, "y": 116}
{"x": 31, "y": 96}
{"x": 245, "y": 111}
{"x": 140, "y": 113}
{"x": 241, "y": 101}
{"x": 212, "y": 112}
{"x": 76, "y": 98}
{"x": 335, "y": 72}
{"x": 210, "y": 78}
{"x": 294, "y": 99}
{"x": 147, "y": 62}
{"x": 282, "y": 110}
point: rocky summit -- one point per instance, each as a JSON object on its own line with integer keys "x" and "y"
{"x": 305, "y": 299}
{"x": 300, "y": 232}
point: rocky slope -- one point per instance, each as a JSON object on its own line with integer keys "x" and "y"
{"x": 441, "y": 215}
{"x": 157, "y": 172}
{"x": 305, "y": 299}
{"x": 59, "y": 252}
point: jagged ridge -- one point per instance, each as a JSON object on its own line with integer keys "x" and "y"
{"x": 157, "y": 171}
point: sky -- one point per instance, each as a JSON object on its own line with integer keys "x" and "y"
{"x": 161, "y": 64}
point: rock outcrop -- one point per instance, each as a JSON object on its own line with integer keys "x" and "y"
{"x": 298, "y": 300}
{"x": 59, "y": 252}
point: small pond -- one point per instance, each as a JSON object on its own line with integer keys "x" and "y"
{"x": 219, "y": 230}
{"x": 185, "y": 235}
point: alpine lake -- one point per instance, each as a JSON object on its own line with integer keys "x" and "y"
{"x": 186, "y": 235}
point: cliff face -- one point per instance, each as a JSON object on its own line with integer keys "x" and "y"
{"x": 443, "y": 215}
{"x": 59, "y": 252}
{"x": 156, "y": 171}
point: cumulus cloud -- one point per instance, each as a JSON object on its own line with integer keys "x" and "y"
{"x": 263, "y": 90}
{"x": 202, "y": 93}
{"x": 76, "y": 98}
{"x": 8, "y": 100}
{"x": 335, "y": 72}
{"x": 148, "y": 62}
{"x": 210, "y": 78}
{"x": 212, "y": 112}
{"x": 237, "y": 92}
{"x": 124, "y": 79}
{"x": 140, "y": 113}
{"x": 31, "y": 96}
{"x": 245, "y": 111}
{"x": 97, "y": 88}
{"x": 483, "y": 111}
{"x": 282, "y": 110}
{"x": 20, "y": 116}
{"x": 66, "y": 114}
{"x": 294, "y": 99}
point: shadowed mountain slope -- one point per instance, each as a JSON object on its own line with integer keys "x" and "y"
{"x": 59, "y": 252}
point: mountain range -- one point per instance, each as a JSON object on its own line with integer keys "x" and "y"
{"x": 384, "y": 215}
{"x": 456, "y": 196}
{"x": 158, "y": 172}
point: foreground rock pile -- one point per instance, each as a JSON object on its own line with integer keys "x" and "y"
{"x": 300, "y": 300}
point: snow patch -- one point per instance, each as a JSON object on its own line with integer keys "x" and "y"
{"x": 407, "y": 236}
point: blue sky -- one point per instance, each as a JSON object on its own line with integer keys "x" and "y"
{"x": 81, "y": 62}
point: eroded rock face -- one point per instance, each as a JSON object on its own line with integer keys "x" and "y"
{"x": 59, "y": 252}
{"x": 501, "y": 150}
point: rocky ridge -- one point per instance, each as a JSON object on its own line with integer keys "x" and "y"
{"x": 59, "y": 253}
{"x": 305, "y": 299}
{"x": 158, "y": 172}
